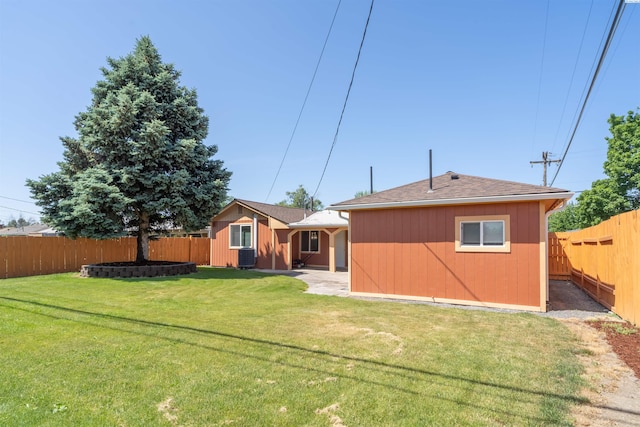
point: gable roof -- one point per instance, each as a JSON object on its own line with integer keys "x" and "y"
{"x": 323, "y": 219}
{"x": 22, "y": 231}
{"x": 281, "y": 213}
{"x": 453, "y": 188}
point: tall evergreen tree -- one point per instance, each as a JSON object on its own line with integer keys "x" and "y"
{"x": 139, "y": 161}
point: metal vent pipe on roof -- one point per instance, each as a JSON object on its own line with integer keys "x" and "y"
{"x": 430, "y": 173}
{"x": 370, "y": 179}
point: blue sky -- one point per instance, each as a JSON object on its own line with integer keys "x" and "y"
{"x": 481, "y": 83}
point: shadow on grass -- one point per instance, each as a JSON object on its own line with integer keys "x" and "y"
{"x": 388, "y": 368}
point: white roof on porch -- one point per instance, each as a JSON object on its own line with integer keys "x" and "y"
{"x": 323, "y": 219}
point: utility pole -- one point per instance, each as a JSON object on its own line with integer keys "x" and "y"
{"x": 545, "y": 161}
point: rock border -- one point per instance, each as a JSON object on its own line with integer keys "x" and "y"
{"x": 149, "y": 270}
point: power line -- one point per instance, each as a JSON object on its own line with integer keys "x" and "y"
{"x": 544, "y": 46}
{"x": 573, "y": 74}
{"x": 612, "y": 30}
{"x": 19, "y": 210}
{"x": 591, "y": 71}
{"x": 16, "y": 200}
{"x": 304, "y": 103}
{"x": 346, "y": 99}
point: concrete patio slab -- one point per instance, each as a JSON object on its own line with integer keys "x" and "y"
{"x": 566, "y": 299}
{"x": 321, "y": 282}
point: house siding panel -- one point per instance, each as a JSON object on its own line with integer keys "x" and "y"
{"x": 281, "y": 250}
{"x": 419, "y": 243}
{"x": 223, "y": 256}
{"x": 265, "y": 245}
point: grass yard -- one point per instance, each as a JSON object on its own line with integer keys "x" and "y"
{"x": 227, "y": 347}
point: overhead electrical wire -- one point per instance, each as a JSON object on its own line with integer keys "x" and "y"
{"x": 19, "y": 210}
{"x": 304, "y": 103}
{"x": 16, "y": 200}
{"x": 573, "y": 74}
{"x": 603, "y": 54}
{"x": 346, "y": 99}
{"x": 620, "y": 37}
{"x": 593, "y": 67}
{"x": 544, "y": 48}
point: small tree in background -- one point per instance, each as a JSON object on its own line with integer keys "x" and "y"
{"x": 139, "y": 162}
{"x": 566, "y": 219}
{"x": 300, "y": 198}
{"x": 363, "y": 193}
{"x": 620, "y": 191}
{"x": 20, "y": 222}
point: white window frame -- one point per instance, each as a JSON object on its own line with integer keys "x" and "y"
{"x": 241, "y": 225}
{"x": 309, "y": 241}
{"x": 506, "y": 234}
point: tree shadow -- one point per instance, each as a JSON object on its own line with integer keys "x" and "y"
{"x": 158, "y": 330}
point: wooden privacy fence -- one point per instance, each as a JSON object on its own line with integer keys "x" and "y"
{"x": 31, "y": 256}
{"x": 604, "y": 260}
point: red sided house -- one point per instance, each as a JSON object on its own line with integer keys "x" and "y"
{"x": 457, "y": 239}
{"x": 277, "y": 237}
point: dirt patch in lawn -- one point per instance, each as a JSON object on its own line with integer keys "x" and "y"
{"x": 168, "y": 410}
{"x": 613, "y": 388}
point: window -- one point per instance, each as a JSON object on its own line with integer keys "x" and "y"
{"x": 483, "y": 234}
{"x": 310, "y": 241}
{"x": 240, "y": 236}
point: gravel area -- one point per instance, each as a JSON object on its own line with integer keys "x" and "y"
{"x": 567, "y": 301}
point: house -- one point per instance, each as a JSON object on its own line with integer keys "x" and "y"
{"x": 46, "y": 232}
{"x": 455, "y": 239}
{"x": 27, "y": 230}
{"x": 281, "y": 237}
{"x": 322, "y": 241}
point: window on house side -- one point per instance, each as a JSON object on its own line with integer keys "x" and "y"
{"x": 489, "y": 233}
{"x": 310, "y": 241}
{"x": 240, "y": 236}
{"x": 482, "y": 233}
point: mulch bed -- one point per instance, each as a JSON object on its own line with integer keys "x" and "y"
{"x": 133, "y": 263}
{"x": 623, "y": 340}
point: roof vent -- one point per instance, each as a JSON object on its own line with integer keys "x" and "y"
{"x": 455, "y": 176}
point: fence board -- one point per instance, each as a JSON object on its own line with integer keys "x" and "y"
{"x": 558, "y": 262}
{"x": 200, "y": 253}
{"x": 604, "y": 260}
{"x": 30, "y": 256}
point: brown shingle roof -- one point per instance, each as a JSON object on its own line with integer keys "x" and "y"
{"x": 446, "y": 187}
{"x": 281, "y": 213}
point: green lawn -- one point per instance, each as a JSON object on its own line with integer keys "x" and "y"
{"x": 226, "y": 347}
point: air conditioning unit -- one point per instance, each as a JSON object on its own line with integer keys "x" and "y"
{"x": 246, "y": 258}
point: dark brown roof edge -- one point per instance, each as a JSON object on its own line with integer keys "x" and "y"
{"x": 281, "y": 213}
